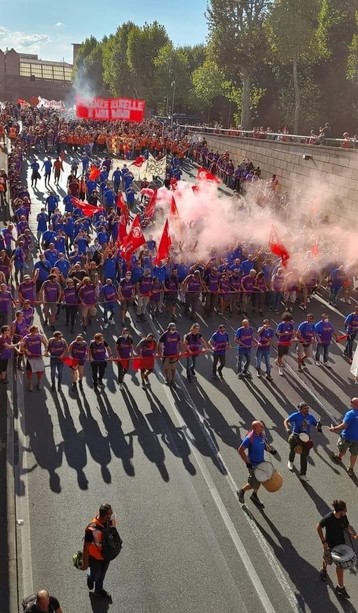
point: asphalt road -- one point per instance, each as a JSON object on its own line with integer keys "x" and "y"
{"x": 167, "y": 462}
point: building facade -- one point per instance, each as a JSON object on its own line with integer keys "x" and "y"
{"x": 24, "y": 75}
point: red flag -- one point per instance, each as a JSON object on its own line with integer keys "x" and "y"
{"x": 277, "y": 247}
{"x": 123, "y": 206}
{"x": 87, "y": 209}
{"x": 173, "y": 208}
{"x": 164, "y": 244}
{"x": 204, "y": 175}
{"x": 150, "y": 208}
{"x": 315, "y": 249}
{"x": 139, "y": 161}
{"x": 133, "y": 240}
{"x": 122, "y": 233}
{"x": 70, "y": 361}
{"x": 195, "y": 188}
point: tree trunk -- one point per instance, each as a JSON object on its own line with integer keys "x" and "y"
{"x": 297, "y": 95}
{"x": 246, "y": 100}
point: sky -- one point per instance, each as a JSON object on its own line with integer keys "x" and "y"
{"x": 48, "y": 27}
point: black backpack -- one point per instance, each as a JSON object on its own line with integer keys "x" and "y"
{"x": 111, "y": 542}
{"x": 29, "y": 605}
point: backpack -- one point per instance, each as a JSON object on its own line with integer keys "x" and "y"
{"x": 111, "y": 542}
{"x": 29, "y": 605}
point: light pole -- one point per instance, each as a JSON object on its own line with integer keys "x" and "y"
{"x": 173, "y": 99}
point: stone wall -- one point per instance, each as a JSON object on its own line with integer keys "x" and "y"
{"x": 331, "y": 174}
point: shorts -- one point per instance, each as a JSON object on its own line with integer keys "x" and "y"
{"x": 171, "y": 298}
{"x": 170, "y": 361}
{"x": 3, "y": 364}
{"x": 50, "y": 309}
{"x": 304, "y": 351}
{"x": 87, "y": 309}
{"x": 282, "y": 350}
{"x": 327, "y": 556}
{"x": 255, "y": 484}
{"x": 343, "y": 445}
{"x": 290, "y": 296}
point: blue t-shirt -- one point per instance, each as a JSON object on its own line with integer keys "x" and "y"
{"x": 47, "y": 166}
{"x": 307, "y": 331}
{"x": 245, "y": 336}
{"x": 325, "y": 331}
{"x": 256, "y": 445}
{"x": 42, "y": 222}
{"x": 63, "y": 266}
{"x": 301, "y": 423}
{"x": 52, "y": 202}
{"x": 246, "y": 266}
{"x": 91, "y": 186}
{"x": 116, "y": 177}
{"x": 265, "y": 335}
{"x": 351, "y": 323}
{"x": 350, "y": 433}
{"x": 220, "y": 340}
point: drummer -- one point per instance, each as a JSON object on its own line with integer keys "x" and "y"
{"x": 336, "y": 525}
{"x": 298, "y": 426}
{"x": 255, "y": 443}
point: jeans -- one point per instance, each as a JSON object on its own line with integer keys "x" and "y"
{"x": 322, "y": 348}
{"x": 218, "y": 359}
{"x": 191, "y": 363}
{"x": 108, "y": 308}
{"x": 98, "y": 369}
{"x": 276, "y": 300}
{"x": 243, "y": 356}
{"x": 191, "y": 301}
{"x": 348, "y": 351}
{"x": 56, "y": 365}
{"x": 263, "y": 354}
{"x": 97, "y": 572}
{"x": 71, "y": 312}
{"x": 333, "y": 294}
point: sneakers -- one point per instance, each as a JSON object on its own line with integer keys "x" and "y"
{"x": 303, "y": 478}
{"x": 30, "y": 386}
{"x": 121, "y": 387}
{"x": 280, "y": 372}
{"x": 269, "y": 378}
{"x": 318, "y": 363}
{"x": 327, "y": 365}
{"x": 350, "y": 471}
{"x": 336, "y": 459}
{"x": 193, "y": 372}
{"x": 341, "y": 591}
{"x": 241, "y": 495}
{"x": 90, "y": 583}
{"x": 259, "y": 373}
{"x": 290, "y": 465}
{"x": 256, "y": 500}
{"x": 323, "y": 574}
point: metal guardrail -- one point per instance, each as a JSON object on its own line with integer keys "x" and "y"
{"x": 275, "y": 137}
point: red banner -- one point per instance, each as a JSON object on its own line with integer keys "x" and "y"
{"x": 111, "y": 109}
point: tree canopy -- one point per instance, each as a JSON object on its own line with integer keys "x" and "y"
{"x": 290, "y": 63}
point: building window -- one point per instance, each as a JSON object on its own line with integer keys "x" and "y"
{"x": 25, "y": 70}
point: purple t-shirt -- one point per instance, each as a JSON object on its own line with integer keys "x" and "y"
{"x": 171, "y": 342}
{"x": 5, "y": 301}
{"x": 245, "y": 336}
{"x": 28, "y": 290}
{"x": 51, "y": 291}
{"x": 87, "y": 294}
{"x": 33, "y": 344}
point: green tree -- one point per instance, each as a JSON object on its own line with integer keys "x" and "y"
{"x": 171, "y": 66}
{"x": 238, "y": 39}
{"x": 117, "y": 74}
{"x": 291, "y": 30}
{"x": 143, "y": 47}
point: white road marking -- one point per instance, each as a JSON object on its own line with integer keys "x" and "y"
{"x": 256, "y": 581}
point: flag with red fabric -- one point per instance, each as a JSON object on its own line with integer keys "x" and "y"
{"x": 87, "y": 209}
{"x": 204, "y": 175}
{"x": 164, "y": 244}
{"x": 173, "y": 211}
{"x": 70, "y": 361}
{"x": 122, "y": 231}
{"x": 277, "y": 247}
{"x": 139, "y": 161}
{"x": 150, "y": 208}
{"x": 123, "y": 206}
{"x": 195, "y": 188}
{"x": 134, "y": 239}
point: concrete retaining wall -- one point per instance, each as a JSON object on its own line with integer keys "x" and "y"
{"x": 331, "y": 174}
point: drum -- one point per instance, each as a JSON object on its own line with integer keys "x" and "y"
{"x": 263, "y": 471}
{"x": 303, "y": 440}
{"x": 343, "y": 556}
{"x": 274, "y": 483}
{"x": 270, "y": 478}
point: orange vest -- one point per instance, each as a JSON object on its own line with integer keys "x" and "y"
{"x": 13, "y": 132}
{"x": 95, "y": 548}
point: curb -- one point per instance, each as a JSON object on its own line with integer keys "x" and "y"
{"x": 11, "y": 499}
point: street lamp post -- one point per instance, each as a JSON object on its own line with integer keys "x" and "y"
{"x": 173, "y": 100}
